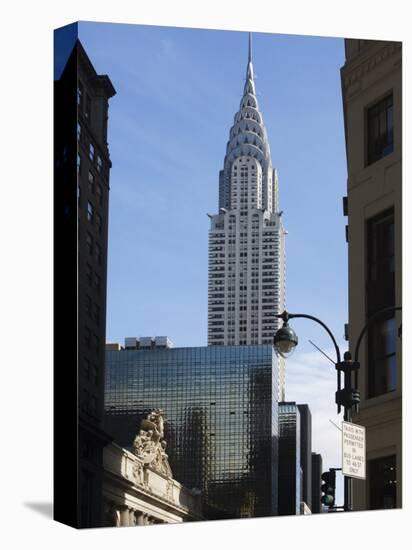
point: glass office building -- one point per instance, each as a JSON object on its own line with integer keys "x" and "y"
{"x": 290, "y": 470}
{"x": 221, "y": 408}
{"x": 306, "y": 453}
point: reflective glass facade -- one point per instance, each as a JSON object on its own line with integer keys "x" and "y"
{"x": 221, "y": 409}
{"x": 290, "y": 471}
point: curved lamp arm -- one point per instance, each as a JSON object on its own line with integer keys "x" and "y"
{"x": 286, "y": 316}
{"x": 370, "y": 320}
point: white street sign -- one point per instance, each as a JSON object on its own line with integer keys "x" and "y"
{"x": 353, "y": 450}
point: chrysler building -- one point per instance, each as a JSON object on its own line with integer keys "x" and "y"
{"x": 246, "y": 239}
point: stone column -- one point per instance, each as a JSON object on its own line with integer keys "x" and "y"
{"x": 140, "y": 518}
{"x": 111, "y": 516}
{"x": 150, "y": 520}
{"x": 124, "y": 516}
{"x": 132, "y": 517}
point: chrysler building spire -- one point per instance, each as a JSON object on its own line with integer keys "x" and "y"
{"x": 248, "y": 137}
{"x": 249, "y": 73}
{"x": 246, "y": 237}
{"x": 250, "y": 82}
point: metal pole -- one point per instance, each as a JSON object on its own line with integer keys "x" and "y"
{"x": 348, "y": 418}
{"x": 348, "y": 399}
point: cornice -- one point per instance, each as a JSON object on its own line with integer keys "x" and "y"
{"x": 368, "y": 63}
{"x": 99, "y": 83}
{"x": 145, "y": 493}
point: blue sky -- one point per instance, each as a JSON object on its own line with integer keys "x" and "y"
{"x": 177, "y": 92}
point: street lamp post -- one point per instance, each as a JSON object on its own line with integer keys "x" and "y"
{"x": 285, "y": 341}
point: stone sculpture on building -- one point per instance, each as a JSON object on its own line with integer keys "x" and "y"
{"x": 149, "y": 444}
{"x": 138, "y": 487}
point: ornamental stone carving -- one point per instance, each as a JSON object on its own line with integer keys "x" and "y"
{"x": 169, "y": 490}
{"x": 138, "y": 472}
{"x": 149, "y": 444}
{"x": 146, "y": 491}
{"x": 353, "y": 75}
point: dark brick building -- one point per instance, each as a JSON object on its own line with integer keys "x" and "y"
{"x": 82, "y": 166}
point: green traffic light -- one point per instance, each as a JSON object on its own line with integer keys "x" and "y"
{"x": 327, "y": 500}
{"x": 328, "y": 487}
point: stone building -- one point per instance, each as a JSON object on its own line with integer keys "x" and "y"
{"x": 138, "y": 486}
{"x": 372, "y": 102}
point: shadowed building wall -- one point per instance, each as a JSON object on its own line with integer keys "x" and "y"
{"x": 316, "y": 482}
{"x": 306, "y": 453}
{"x": 82, "y": 166}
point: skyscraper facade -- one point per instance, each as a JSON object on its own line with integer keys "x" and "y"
{"x": 306, "y": 453}
{"x": 221, "y": 414}
{"x": 82, "y": 166}
{"x": 290, "y": 470}
{"x": 93, "y": 167}
{"x": 246, "y": 238}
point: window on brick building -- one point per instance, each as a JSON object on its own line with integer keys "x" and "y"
{"x": 380, "y": 293}
{"x": 380, "y": 129}
{"x": 382, "y": 483}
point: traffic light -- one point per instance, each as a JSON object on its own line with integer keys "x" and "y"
{"x": 328, "y": 487}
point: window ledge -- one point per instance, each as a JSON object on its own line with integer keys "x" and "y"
{"x": 380, "y": 399}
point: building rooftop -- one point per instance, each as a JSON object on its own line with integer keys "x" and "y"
{"x": 141, "y": 342}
